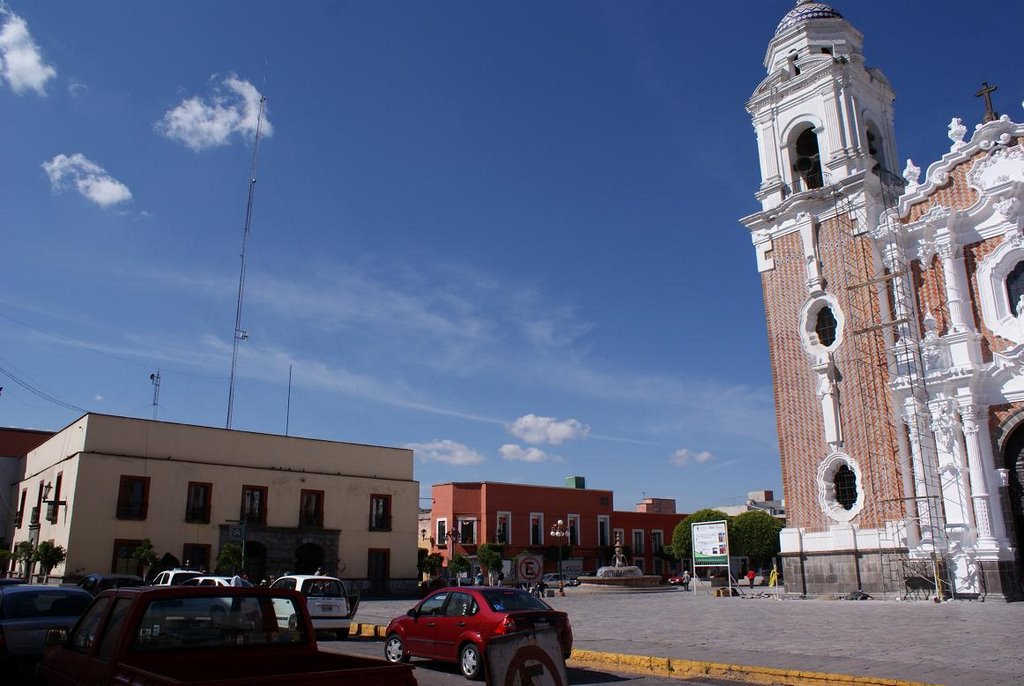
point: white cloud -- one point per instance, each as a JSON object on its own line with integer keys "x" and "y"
{"x": 685, "y": 456}
{"x": 90, "y": 179}
{"x": 200, "y": 123}
{"x": 21, "y": 63}
{"x": 536, "y": 430}
{"x": 511, "y": 451}
{"x": 98, "y": 398}
{"x": 76, "y": 88}
{"x": 447, "y": 451}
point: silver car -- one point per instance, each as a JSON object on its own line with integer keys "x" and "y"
{"x": 27, "y": 612}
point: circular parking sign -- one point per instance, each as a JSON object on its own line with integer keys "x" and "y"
{"x": 529, "y": 568}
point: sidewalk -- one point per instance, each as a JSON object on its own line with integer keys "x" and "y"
{"x": 956, "y": 642}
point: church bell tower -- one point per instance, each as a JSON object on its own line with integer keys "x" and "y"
{"x": 824, "y": 126}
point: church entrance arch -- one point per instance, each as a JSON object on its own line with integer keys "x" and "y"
{"x": 309, "y": 557}
{"x": 1013, "y": 461}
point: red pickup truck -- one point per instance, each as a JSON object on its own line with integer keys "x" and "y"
{"x": 207, "y": 636}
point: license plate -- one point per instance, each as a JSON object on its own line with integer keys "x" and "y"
{"x": 329, "y": 608}
{"x": 541, "y": 624}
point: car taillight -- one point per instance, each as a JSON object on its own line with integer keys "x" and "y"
{"x": 506, "y": 626}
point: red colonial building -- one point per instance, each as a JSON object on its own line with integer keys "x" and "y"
{"x": 521, "y": 516}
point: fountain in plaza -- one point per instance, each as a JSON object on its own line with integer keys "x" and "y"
{"x": 619, "y": 576}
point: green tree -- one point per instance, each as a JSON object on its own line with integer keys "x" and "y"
{"x": 682, "y": 541}
{"x": 756, "y": 535}
{"x": 49, "y": 556}
{"x": 23, "y": 554}
{"x": 458, "y": 564}
{"x": 230, "y": 558}
{"x": 146, "y": 555}
{"x": 489, "y": 556}
{"x": 431, "y": 564}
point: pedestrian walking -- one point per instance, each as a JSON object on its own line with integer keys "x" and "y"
{"x": 686, "y": 580}
{"x": 750, "y": 577}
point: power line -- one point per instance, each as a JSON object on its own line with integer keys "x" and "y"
{"x": 41, "y": 394}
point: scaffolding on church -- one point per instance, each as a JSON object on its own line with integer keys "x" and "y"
{"x": 900, "y": 464}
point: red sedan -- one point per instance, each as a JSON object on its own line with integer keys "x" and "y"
{"x": 456, "y": 624}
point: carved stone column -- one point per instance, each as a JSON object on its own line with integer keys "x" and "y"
{"x": 978, "y": 459}
{"x": 953, "y": 269}
{"x": 925, "y": 497}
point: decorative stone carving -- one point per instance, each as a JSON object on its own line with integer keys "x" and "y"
{"x": 1002, "y": 166}
{"x": 931, "y": 346}
{"x": 1008, "y": 207}
{"x": 912, "y": 174}
{"x": 957, "y": 131}
{"x": 944, "y": 426}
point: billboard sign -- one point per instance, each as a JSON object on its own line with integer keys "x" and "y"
{"x": 710, "y": 544}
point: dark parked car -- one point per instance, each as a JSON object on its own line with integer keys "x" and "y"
{"x": 11, "y": 581}
{"x": 455, "y": 624}
{"x": 94, "y": 583}
{"x": 27, "y": 612}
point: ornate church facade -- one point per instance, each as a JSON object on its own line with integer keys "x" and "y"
{"x": 894, "y": 305}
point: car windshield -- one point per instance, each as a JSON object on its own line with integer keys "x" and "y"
{"x": 510, "y": 600}
{"x": 43, "y": 603}
{"x": 212, "y": 621}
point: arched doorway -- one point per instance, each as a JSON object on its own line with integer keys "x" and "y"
{"x": 1013, "y": 461}
{"x": 309, "y": 557}
{"x": 255, "y": 561}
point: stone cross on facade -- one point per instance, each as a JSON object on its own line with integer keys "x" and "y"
{"x": 986, "y": 92}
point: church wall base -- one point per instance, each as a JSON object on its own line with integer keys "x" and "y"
{"x": 1000, "y": 581}
{"x": 836, "y": 573}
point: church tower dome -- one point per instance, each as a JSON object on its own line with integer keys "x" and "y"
{"x": 804, "y": 10}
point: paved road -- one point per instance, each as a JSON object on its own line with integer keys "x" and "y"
{"x": 433, "y": 673}
{"x": 957, "y": 642}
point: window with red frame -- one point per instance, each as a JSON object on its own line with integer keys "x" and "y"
{"x": 311, "y": 508}
{"x": 254, "y": 504}
{"x": 380, "y": 513}
{"x": 197, "y": 502}
{"x": 133, "y": 497}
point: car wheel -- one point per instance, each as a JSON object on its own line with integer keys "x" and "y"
{"x": 471, "y": 662}
{"x": 394, "y": 649}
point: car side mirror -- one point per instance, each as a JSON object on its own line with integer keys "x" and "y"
{"x": 56, "y": 637}
{"x": 413, "y": 612}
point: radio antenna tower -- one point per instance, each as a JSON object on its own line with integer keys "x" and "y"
{"x": 241, "y": 334}
{"x": 155, "y": 378}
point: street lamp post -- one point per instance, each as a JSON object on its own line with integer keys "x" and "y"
{"x": 453, "y": 538}
{"x": 559, "y": 531}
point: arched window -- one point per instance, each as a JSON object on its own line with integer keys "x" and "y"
{"x": 845, "y": 482}
{"x": 875, "y": 148}
{"x": 808, "y": 160}
{"x": 825, "y": 326}
{"x": 1015, "y": 288}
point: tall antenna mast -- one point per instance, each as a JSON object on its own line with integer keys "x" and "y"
{"x": 155, "y": 378}
{"x": 288, "y": 410}
{"x": 240, "y": 334}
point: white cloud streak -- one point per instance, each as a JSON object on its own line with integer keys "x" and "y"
{"x": 21, "y": 62}
{"x": 90, "y": 179}
{"x": 517, "y": 453}
{"x": 447, "y": 451}
{"x": 685, "y": 456}
{"x": 231, "y": 110}
{"x": 536, "y": 430}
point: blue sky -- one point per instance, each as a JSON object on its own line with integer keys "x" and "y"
{"x": 503, "y": 234}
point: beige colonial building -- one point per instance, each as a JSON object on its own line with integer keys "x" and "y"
{"x": 103, "y": 484}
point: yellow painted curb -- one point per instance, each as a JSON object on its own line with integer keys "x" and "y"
{"x": 674, "y": 667}
{"x": 662, "y": 666}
